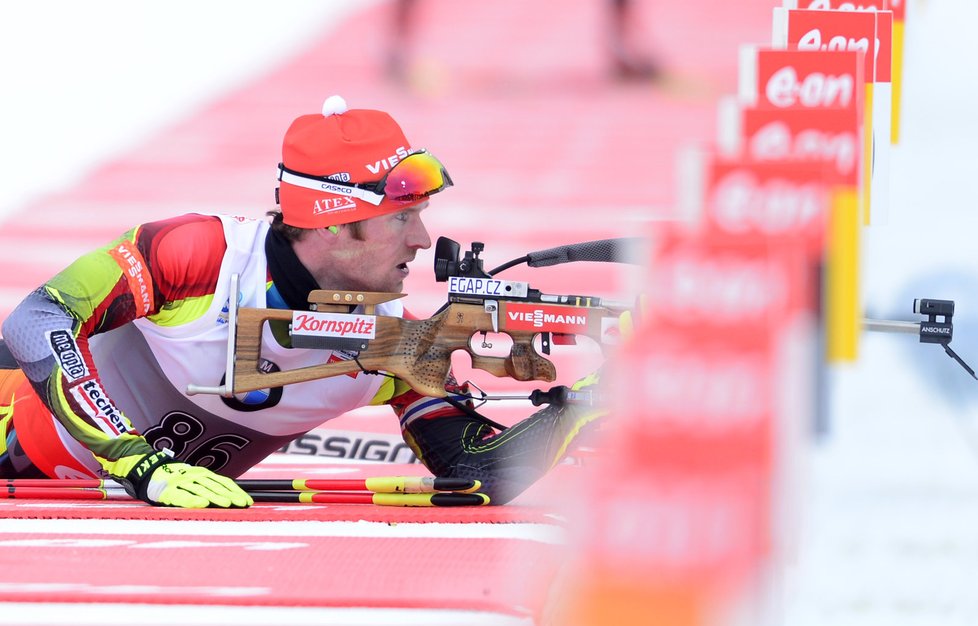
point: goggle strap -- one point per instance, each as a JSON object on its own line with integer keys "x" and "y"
{"x": 320, "y": 184}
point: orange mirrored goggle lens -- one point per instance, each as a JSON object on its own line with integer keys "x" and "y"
{"x": 414, "y": 178}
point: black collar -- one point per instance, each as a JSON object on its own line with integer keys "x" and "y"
{"x": 291, "y": 278}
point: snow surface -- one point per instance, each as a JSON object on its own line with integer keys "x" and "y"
{"x": 889, "y": 529}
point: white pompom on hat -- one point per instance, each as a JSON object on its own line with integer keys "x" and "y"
{"x": 334, "y": 105}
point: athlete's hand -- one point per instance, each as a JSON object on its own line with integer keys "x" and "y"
{"x": 590, "y": 381}
{"x": 590, "y": 385}
{"x": 628, "y": 320}
{"x": 588, "y": 401}
{"x": 159, "y": 479}
{"x": 193, "y": 487}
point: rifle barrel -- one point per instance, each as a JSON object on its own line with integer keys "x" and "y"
{"x": 602, "y": 250}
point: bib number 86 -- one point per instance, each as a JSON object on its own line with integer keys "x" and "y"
{"x": 178, "y": 430}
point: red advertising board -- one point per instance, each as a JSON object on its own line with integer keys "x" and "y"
{"x": 695, "y": 450}
{"x": 831, "y": 30}
{"x": 898, "y": 7}
{"x": 785, "y": 79}
{"x": 827, "y": 135}
{"x": 694, "y": 442}
{"x": 681, "y": 517}
{"x": 763, "y": 199}
{"x": 828, "y": 139}
{"x": 688, "y": 513}
{"x": 867, "y": 32}
{"x": 838, "y": 5}
{"x": 708, "y": 288}
{"x": 884, "y": 42}
{"x": 890, "y": 31}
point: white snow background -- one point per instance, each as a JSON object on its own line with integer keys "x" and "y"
{"x": 889, "y": 526}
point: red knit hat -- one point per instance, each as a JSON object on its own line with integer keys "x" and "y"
{"x": 325, "y": 156}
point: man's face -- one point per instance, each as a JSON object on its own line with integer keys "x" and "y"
{"x": 378, "y": 261}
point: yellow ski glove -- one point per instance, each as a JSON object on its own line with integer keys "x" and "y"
{"x": 193, "y": 487}
{"x": 159, "y": 479}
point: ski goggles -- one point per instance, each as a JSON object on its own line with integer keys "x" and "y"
{"x": 413, "y": 178}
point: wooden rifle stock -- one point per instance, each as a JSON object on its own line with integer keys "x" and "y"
{"x": 419, "y": 352}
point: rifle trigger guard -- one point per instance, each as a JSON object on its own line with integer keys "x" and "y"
{"x": 492, "y": 308}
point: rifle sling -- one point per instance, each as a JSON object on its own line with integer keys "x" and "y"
{"x": 461, "y": 406}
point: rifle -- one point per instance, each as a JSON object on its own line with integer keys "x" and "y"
{"x": 419, "y": 351}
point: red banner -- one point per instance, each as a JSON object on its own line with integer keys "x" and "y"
{"x": 786, "y": 79}
{"x": 884, "y": 43}
{"x": 835, "y": 30}
{"x": 768, "y": 199}
{"x": 828, "y": 136}
{"x": 899, "y": 8}
{"x": 694, "y": 460}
